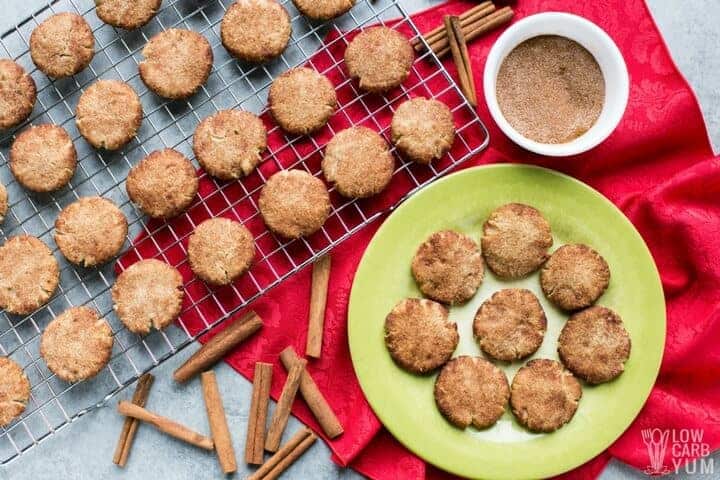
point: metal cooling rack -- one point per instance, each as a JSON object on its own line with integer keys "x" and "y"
{"x": 54, "y": 403}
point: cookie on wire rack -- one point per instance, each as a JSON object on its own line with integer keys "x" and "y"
{"x": 62, "y": 45}
{"x": 108, "y": 114}
{"x": 17, "y": 94}
{"x": 301, "y": 100}
{"x": 323, "y": 9}
{"x": 3, "y": 202}
{"x": 14, "y": 391}
{"x": 422, "y": 130}
{"x": 220, "y": 250}
{"x": 126, "y": 14}
{"x": 43, "y": 158}
{"x": 379, "y": 58}
{"x": 255, "y": 30}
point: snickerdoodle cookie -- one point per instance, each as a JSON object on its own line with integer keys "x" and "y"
{"x": 149, "y": 294}
{"x": 448, "y": 267}
{"x": 163, "y": 184}
{"x": 3, "y": 202}
{"x": 177, "y": 63}
{"x": 43, "y": 158}
{"x": 471, "y": 391}
{"x": 90, "y": 231}
{"x": 229, "y": 143}
{"x": 127, "y": 14}
{"x": 301, "y": 100}
{"x": 14, "y": 391}
{"x": 17, "y": 94}
{"x": 77, "y": 344}
{"x": 380, "y": 58}
{"x": 515, "y": 240}
{"x": 62, "y": 45}
{"x": 29, "y": 274}
{"x": 323, "y": 9}
{"x": 358, "y": 161}
{"x": 108, "y": 114}
{"x": 510, "y": 325}
{"x": 594, "y": 344}
{"x": 255, "y": 30}
{"x": 574, "y": 277}
{"x": 419, "y": 335}
{"x": 294, "y": 204}
{"x": 544, "y": 395}
{"x": 220, "y": 250}
{"x": 422, "y": 130}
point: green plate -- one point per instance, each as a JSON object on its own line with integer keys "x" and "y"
{"x": 404, "y": 402}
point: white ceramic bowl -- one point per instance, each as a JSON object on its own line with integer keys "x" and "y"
{"x": 597, "y": 42}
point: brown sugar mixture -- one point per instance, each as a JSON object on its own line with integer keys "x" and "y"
{"x": 550, "y": 89}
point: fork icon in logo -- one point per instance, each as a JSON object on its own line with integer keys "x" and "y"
{"x": 656, "y": 441}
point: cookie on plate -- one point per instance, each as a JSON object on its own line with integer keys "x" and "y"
{"x": 3, "y": 202}
{"x": 379, "y": 58}
{"x": 448, "y": 267}
{"x": 126, "y": 14}
{"x": 177, "y": 63}
{"x": 358, "y": 161}
{"x": 29, "y": 275}
{"x": 574, "y": 277}
{"x": 323, "y": 9}
{"x": 255, "y": 30}
{"x": 510, "y": 325}
{"x": 108, "y": 114}
{"x": 422, "y": 130}
{"x": 43, "y": 158}
{"x": 14, "y": 391}
{"x": 471, "y": 391}
{"x": 90, "y": 231}
{"x": 301, "y": 100}
{"x": 62, "y": 45}
{"x": 149, "y": 294}
{"x": 220, "y": 250}
{"x": 17, "y": 94}
{"x": 419, "y": 335}
{"x": 544, "y": 396}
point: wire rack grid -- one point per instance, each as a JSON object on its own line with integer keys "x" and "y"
{"x": 232, "y": 84}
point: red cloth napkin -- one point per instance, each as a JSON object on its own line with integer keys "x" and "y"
{"x": 657, "y": 167}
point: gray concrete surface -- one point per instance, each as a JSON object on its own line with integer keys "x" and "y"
{"x": 83, "y": 449}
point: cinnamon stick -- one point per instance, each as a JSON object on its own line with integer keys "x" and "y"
{"x": 214, "y": 350}
{"x": 165, "y": 425}
{"x": 286, "y": 456}
{"x": 468, "y": 17}
{"x": 318, "y": 301}
{"x": 255, "y": 442}
{"x": 313, "y": 397}
{"x": 218, "y": 423}
{"x": 130, "y": 425}
{"x": 474, "y": 30}
{"x": 282, "y": 409}
{"x": 465, "y": 56}
{"x": 460, "y": 63}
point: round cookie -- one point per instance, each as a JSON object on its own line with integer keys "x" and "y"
{"x": 544, "y": 395}
{"x": 380, "y": 58}
{"x": 177, "y": 63}
{"x": 62, "y": 45}
{"x": 294, "y": 204}
{"x": 90, "y": 231}
{"x": 422, "y": 130}
{"x": 126, "y": 14}
{"x": 43, "y": 158}
{"x": 419, "y": 335}
{"x": 220, "y": 250}
{"x": 515, "y": 240}
{"x": 77, "y": 344}
{"x": 471, "y": 391}
{"x": 229, "y": 143}
{"x": 108, "y": 114}
{"x": 594, "y": 345}
{"x": 14, "y": 391}
{"x": 574, "y": 277}
{"x": 510, "y": 325}
{"x": 163, "y": 184}
{"x": 448, "y": 267}
{"x": 3, "y": 202}
{"x": 255, "y": 30}
{"x": 323, "y": 9}
{"x": 358, "y": 161}
{"x": 301, "y": 100}
{"x": 29, "y": 275}
{"x": 149, "y": 294}
{"x": 17, "y": 94}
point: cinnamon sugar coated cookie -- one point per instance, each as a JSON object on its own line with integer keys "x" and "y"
{"x": 77, "y": 344}
{"x": 358, "y": 161}
{"x": 177, "y": 63}
{"x": 17, "y": 94}
{"x": 163, "y": 184}
{"x": 229, "y": 144}
{"x": 301, "y": 100}
{"x": 380, "y": 58}
{"x": 471, "y": 391}
{"x": 220, "y": 250}
{"x": 255, "y": 30}
{"x": 544, "y": 396}
{"x": 3, "y": 202}
{"x": 515, "y": 240}
{"x": 448, "y": 267}
{"x": 90, "y": 231}
{"x": 127, "y": 14}
{"x": 422, "y": 130}
{"x": 14, "y": 391}
{"x": 594, "y": 345}
{"x": 510, "y": 325}
{"x": 108, "y": 114}
{"x": 294, "y": 204}
{"x": 62, "y": 45}
{"x": 419, "y": 335}
{"x": 29, "y": 275}
{"x": 43, "y": 158}
{"x": 323, "y": 9}
{"x": 149, "y": 294}
{"x": 574, "y": 277}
